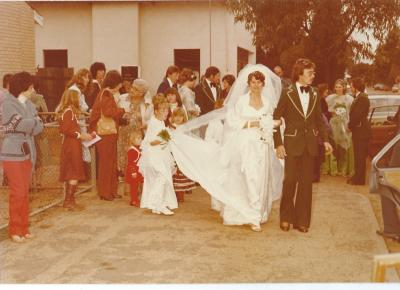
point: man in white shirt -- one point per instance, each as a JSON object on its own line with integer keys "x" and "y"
{"x": 209, "y": 90}
{"x": 300, "y": 107}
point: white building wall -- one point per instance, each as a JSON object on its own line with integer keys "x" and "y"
{"x": 185, "y": 25}
{"x": 66, "y": 26}
{"x": 143, "y": 34}
{"x": 115, "y": 35}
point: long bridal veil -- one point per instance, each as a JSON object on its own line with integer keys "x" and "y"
{"x": 207, "y": 161}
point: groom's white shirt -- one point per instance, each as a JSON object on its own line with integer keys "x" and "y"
{"x": 213, "y": 89}
{"x": 304, "y": 98}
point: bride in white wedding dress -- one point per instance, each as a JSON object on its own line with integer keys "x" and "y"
{"x": 242, "y": 173}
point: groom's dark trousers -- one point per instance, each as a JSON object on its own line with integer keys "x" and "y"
{"x": 302, "y": 131}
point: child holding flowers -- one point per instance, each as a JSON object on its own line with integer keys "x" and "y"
{"x": 157, "y": 164}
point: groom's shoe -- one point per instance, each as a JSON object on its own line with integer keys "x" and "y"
{"x": 285, "y": 226}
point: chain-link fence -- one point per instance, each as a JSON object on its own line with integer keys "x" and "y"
{"x": 46, "y": 190}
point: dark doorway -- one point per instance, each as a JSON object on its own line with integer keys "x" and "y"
{"x": 189, "y": 58}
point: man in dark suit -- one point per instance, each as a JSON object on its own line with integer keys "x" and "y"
{"x": 299, "y": 105}
{"x": 170, "y": 80}
{"x": 208, "y": 91}
{"x": 361, "y": 130}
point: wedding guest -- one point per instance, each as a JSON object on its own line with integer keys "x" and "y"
{"x": 126, "y": 85}
{"x": 18, "y": 151}
{"x": 279, "y": 72}
{"x": 107, "y": 180}
{"x": 174, "y": 101}
{"x": 72, "y": 168}
{"x": 43, "y": 158}
{"x": 132, "y": 175}
{"x": 138, "y": 114}
{"x": 227, "y": 82}
{"x": 170, "y": 80}
{"x": 339, "y": 105}
{"x": 6, "y": 82}
{"x": 360, "y": 129}
{"x": 182, "y": 184}
{"x": 79, "y": 83}
{"x": 187, "y": 80}
{"x": 157, "y": 164}
{"x": 323, "y": 162}
{"x": 98, "y": 71}
{"x": 208, "y": 91}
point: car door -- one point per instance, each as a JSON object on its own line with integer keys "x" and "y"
{"x": 385, "y": 171}
{"x": 382, "y": 130}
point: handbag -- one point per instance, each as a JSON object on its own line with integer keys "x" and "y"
{"x": 105, "y": 125}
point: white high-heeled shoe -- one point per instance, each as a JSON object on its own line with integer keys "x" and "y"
{"x": 166, "y": 211}
{"x": 255, "y": 228}
{"x": 17, "y": 239}
{"x": 155, "y": 211}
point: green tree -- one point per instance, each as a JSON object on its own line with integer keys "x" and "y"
{"x": 387, "y": 59}
{"x": 321, "y": 30}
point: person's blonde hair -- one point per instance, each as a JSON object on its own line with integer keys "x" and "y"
{"x": 159, "y": 102}
{"x": 69, "y": 99}
{"x": 178, "y": 112}
{"x": 78, "y": 79}
{"x": 134, "y": 133}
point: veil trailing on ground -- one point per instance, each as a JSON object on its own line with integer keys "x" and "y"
{"x": 208, "y": 162}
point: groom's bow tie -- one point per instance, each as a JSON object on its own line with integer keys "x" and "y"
{"x": 213, "y": 85}
{"x": 305, "y": 89}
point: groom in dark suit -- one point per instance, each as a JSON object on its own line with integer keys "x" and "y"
{"x": 208, "y": 91}
{"x": 299, "y": 105}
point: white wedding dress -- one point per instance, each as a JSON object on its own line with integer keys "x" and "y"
{"x": 242, "y": 172}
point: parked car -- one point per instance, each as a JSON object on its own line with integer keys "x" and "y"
{"x": 381, "y": 87}
{"x": 385, "y": 171}
{"x": 382, "y": 110}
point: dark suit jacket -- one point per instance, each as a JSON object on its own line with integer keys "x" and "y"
{"x": 205, "y": 98}
{"x": 358, "y": 122}
{"x": 302, "y": 131}
{"x": 163, "y": 86}
{"x": 93, "y": 91}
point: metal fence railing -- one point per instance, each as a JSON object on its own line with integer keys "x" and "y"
{"x": 46, "y": 190}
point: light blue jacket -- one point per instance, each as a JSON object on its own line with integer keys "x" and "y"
{"x": 20, "y": 124}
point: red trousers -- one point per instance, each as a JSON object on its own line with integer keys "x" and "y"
{"x": 19, "y": 175}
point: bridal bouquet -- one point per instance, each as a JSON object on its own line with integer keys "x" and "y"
{"x": 266, "y": 128}
{"x": 165, "y": 136}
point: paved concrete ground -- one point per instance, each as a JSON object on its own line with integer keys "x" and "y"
{"x": 111, "y": 242}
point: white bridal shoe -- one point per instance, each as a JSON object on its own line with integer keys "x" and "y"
{"x": 17, "y": 239}
{"x": 166, "y": 211}
{"x": 255, "y": 228}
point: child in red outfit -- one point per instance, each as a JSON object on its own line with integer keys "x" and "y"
{"x": 132, "y": 174}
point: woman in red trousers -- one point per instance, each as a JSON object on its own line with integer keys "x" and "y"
{"x": 107, "y": 180}
{"x": 20, "y": 122}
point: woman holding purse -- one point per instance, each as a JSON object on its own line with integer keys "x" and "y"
{"x": 104, "y": 119}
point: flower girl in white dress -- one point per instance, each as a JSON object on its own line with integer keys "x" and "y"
{"x": 157, "y": 164}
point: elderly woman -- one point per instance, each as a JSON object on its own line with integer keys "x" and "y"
{"x": 138, "y": 114}
{"x": 21, "y": 123}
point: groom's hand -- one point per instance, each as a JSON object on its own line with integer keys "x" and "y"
{"x": 328, "y": 148}
{"x": 280, "y": 152}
